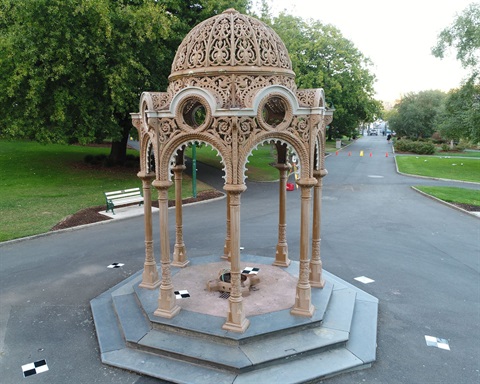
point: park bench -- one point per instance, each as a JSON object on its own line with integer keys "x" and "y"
{"x": 123, "y": 197}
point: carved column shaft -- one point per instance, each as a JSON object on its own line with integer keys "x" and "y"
{"x": 303, "y": 300}
{"x": 227, "y": 246}
{"x": 281, "y": 255}
{"x": 236, "y": 320}
{"x": 150, "y": 278}
{"x": 179, "y": 252}
{"x": 167, "y": 306}
{"x": 316, "y": 279}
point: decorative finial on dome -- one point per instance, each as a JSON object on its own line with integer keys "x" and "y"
{"x": 230, "y": 10}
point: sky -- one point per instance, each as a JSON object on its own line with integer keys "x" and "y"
{"x": 396, "y": 35}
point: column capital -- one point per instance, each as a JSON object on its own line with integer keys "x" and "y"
{"x": 235, "y": 188}
{"x": 307, "y": 182}
{"x": 283, "y": 166}
{"x": 162, "y": 184}
{"x": 319, "y": 173}
{"x": 146, "y": 176}
{"x": 179, "y": 167}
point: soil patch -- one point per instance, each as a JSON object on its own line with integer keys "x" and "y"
{"x": 91, "y": 215}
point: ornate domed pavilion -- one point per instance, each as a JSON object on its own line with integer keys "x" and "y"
{"x": 232, "y": 87}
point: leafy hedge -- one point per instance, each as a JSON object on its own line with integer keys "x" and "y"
{"x": 419, "y": 147}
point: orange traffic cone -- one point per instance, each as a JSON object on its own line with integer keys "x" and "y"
{"x": 336, "y": 153}
{"x": 386, "y": 154}
{"x": 370, "y": 154}
{"x": 349, "y": 153}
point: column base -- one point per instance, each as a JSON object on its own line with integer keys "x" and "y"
{"x": 180, "y": 264}
{"x": 148, "y": 285}
{"x": 281, "y": 257}
{"x": 303, "y": 312}
{"x": 168, "y": 314}
{"x": 167, "y": 306}
{"x": 315, "y": 277}
{"x": 317, "y": 284}
{"x": 179, "y": 256}
{"x": 150, "y": 278}
{"x": 239, "y": 328}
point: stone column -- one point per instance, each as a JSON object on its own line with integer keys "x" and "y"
{"x": 236, "y": 321}
{"x": 167, "y": 306}
{"x": 179, "y": 252}
{"x": 150, "y": 274}
{"x": 227, "y": 246}
{"x": 316, "y": 279}
{"x": 303, "y": 300}
{"x": 281, "y": 255}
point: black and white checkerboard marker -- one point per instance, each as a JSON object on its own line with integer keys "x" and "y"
{"x": 437, "y": 342}
{"x": 34, "y": 368}
{"x": 115, "y": 265}
{"x": 183, "y": 294}
{"x": 251, "y": 270}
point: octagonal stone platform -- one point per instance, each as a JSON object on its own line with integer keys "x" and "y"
{"x": 192, "y": 347}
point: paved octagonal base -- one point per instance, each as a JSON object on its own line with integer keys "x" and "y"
{"x": 192, "y": 347}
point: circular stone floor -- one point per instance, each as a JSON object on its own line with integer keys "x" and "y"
{"x": 275, "y": 291}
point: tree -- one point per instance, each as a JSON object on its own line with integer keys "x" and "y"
{"x": 73, "y": 70}
{"x": 460, "y": 116}
{"x": 464, "y": 36}
{"x": 323, "y": 58}
{"x": 417, "y": 113}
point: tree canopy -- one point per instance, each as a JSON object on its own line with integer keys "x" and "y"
{"x": 460, "y": 116}
{"x": 323, "y": 58}
{"x": 463, "y": 35}
{"x": 73, "y": 70}
{"x": 416, "y": 114}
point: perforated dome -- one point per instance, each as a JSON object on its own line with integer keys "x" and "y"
{"x": 231, "y": 43}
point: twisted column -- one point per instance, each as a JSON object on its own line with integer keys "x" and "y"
{"x": 281, "y": 255}
{"x": 303, "y": 300}
{"x": 179, "y": 251}
{"x": 150, "y": 274}
{"x": 316, "y": 279}
{"x": 236, "y": 320}
{"x": 167, "y": 306}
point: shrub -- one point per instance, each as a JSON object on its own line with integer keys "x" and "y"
{"x": 418, "y": 147}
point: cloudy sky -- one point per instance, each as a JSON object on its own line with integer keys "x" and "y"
{"x": 396, "y": 35}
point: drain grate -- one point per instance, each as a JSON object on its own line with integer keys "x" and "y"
{"x": 224, "y": 295}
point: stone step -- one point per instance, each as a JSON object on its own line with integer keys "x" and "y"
{"x": 264, "y": 325}
{"x": 260, "y": 350}
{"x": 277, "y": 347}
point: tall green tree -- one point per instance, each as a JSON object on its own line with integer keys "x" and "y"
{"x": 73, "y": 70}
{"x": 460, "y": 116}
{"x": 323, "y": 58}
{"x": 463, "y": 35}
{"x": 417, "y": 113}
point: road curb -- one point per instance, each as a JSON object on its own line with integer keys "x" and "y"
{"x": 444, "y": 202}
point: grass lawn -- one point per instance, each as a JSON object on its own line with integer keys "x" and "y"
{"x": 460, "y": 154}
{"x": 453, "y": 194}
{"x": 440, "y": 167}
{"x": 42, "y": 184}
{"x": 258, "y": 167}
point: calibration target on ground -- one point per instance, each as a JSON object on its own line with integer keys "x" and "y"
{"x": 115, "y": 265}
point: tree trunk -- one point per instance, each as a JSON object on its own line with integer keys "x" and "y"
{"x": 118, "y": 150}
{"x": 329, "y": 131}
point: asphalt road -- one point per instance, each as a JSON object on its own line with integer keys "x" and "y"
{"x": 423, "y": 256}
